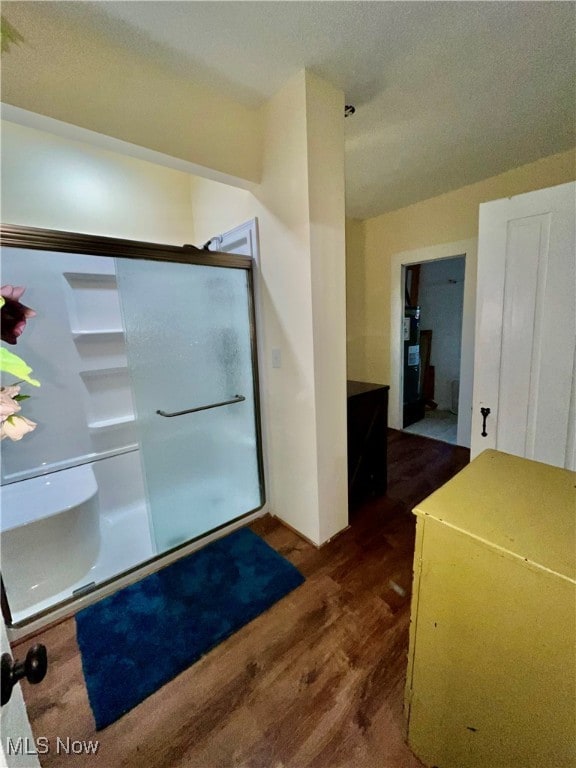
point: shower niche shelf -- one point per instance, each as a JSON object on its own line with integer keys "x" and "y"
{"x": 96, "y": 323}
{"x": 114, "y": 439}
{"x": 97, "y": 332}
{"x": 84, "y": 333}
{"x": 113, "y": 422}
{"x": 92, "y": 297}
{"x": 109, "y": 396}
{"x": 101, "y": 349}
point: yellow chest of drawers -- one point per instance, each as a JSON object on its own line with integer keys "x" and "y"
{"x": 492, "y": 663}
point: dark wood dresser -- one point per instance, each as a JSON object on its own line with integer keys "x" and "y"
{"x": 367, "y": 440}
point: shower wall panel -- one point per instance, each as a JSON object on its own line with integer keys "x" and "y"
{"x": 76, "y": 348}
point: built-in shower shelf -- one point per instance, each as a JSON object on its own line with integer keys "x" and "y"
{"x": 101, "y": 348}
{"x": 92, "y": 297}
{"x": 109, "y": 401}
{"x": 82, "y": 334}
{"x": 107, "y": 423}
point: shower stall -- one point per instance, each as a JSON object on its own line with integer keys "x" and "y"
{"x": 148, "y": 429}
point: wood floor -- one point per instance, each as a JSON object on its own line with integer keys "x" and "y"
{"x": 315, "y": 682}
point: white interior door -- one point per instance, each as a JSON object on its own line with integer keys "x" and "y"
{"x": 526, "y": 326}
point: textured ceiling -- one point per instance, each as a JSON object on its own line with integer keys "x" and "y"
{"x": 446, "y": 93}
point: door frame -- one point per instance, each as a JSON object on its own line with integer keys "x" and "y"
{"x": 398, "y": 263}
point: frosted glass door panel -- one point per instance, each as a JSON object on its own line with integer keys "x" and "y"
{"x": 189, "y": 345}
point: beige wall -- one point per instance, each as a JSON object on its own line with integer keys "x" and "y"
{"x": 282, "y": 202}
{"x": 301, "y": 239}
{"x": 443, "y": 219}
{"x": 52, "y": 182}
{"x": 355, "y": 299}
{"x": 325, "y": 146}
{"x": 217, "y": 208}
{"x": 84, "y": 79}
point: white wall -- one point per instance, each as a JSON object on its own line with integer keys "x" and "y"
{"x": 441, "y": 299}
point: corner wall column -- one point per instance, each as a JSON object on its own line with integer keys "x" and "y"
{"x": 302, "y": 233}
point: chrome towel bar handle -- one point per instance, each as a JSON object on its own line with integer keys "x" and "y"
{"x": 235, "y": 399}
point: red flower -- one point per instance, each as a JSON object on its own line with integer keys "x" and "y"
{"x": 13, "y": 314}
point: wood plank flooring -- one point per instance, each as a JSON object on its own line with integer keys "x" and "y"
{"x": 315, "y": 682}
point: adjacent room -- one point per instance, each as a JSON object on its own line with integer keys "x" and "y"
{"x": 288, "y": 384}
{"x": 432, "y": 347}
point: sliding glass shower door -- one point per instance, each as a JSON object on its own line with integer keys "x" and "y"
{"x": 190, "y": 343}
{"x": 146, "y": 432}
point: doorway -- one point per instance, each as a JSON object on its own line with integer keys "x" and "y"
{"x": 434, "y": 297}
{"x": 467, "y": 250}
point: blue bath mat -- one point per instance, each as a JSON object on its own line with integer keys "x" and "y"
{"x": 139, "y": 638}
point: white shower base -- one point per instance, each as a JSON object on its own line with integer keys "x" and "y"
{"x": 128, "y": 535}
{"x": 125, "y": 543}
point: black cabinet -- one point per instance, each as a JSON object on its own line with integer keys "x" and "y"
{"x": 367, "y": 440}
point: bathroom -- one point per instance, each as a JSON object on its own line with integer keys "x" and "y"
{"x": 89, "y": 396}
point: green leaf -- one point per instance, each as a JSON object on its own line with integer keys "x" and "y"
{"x": 19, "y": 398}
{"x": 14, "y": 365}
{"x": 9, "y": 35}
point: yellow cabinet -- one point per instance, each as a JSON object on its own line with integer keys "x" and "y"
{"x": 492, "y": 663}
